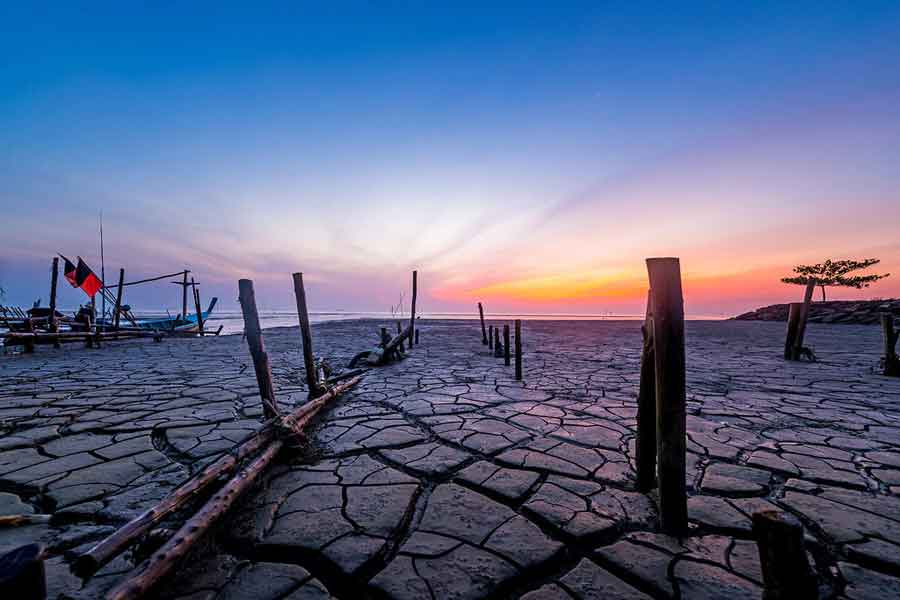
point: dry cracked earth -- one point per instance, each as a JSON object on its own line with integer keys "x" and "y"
{"x": 442, "y": 477}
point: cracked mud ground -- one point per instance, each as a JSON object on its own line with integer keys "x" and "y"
{"x": 442, "y": 477}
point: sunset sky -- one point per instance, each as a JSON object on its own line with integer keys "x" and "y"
{"x": 529, "y": 155}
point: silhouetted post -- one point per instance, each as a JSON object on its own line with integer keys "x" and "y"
{"x": 490, "y": 337}
{"x": 54, "y": 279}
{"x": 118, "y": 306}
{"x": 891, "y": 360}
{"x": 804, "y": 315}
{"x": 399, "y": 331}
{"x": 247, "y": 298}
{"x": 89, "y": 339}
{"x": 498, "y": 345}
{"x": 795, "y": 310}
{"x": 197, "y": 306}
{"x": 22, "y": 575}
{"x": 309, "y": 363}
{"x": 484, "y": 336}
{"x": 29, "y": 341}
{"x": 506, "y": 344}
{"x": 645, "y": 445}
{"x": 417, "y": 337}
{"x": 184, "y": 286}
{"x": 412, "y": 312}
{"x": 518, "y": 350}
{"x": 785, "y": 568}
{"x": 667, "y": 307}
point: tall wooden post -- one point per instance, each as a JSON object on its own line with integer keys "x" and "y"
{"x": 118, "y": 306}
{"x": 197, "y": 307}
{"x": 645, "y": 446}
{"x": 668, "y": 341}
{"x": 891, "y": 360}
{"x": 785, "y": 568}
{"x": 804, "y": 315}
{"x": 518, "y": 350}
{"x": 309, "y": 364}
{"x": 490, "y": 337}
{"x": 247, "y": 298}
{"x": 506, "y": 344}
{"x": 399, "y": 331}
{"x": 795, "y": 310}
{"x": 484, "y": 336}
{"x": 498, "y": 347}
{"x": 184, "y": 286}
{"x": 417, "y": 337}
{"x": 54, "y": 279}
{"x": 412, "y": 311}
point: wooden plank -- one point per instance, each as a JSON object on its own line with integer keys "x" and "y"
{"x": 669, "y": 362}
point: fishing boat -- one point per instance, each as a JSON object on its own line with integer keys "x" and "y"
{"x": 178, "y": 323}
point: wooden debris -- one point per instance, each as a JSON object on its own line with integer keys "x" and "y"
{"x": 785, "y": 568}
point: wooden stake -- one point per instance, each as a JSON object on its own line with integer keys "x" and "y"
{"x": 804, "y": 315}
{"x": 645, "y": 447}
{"x": 668, "y": 341}
{"x": 518, "y": 350}
{"x": 490, "y": 337}
{"x": 29, "y": 342}
{"x": 506, "y": 344}
{"x": 198, "y": 308}
{"x": 484, "y": 336}
{"x": 417, "y": 337}
{"x": 54, "y": 278}
{"x": 795, "y": 312}
{"x": 253, "y": 331}
{"x": 785, "y": 568}
{"x": 184, "y": 286}
{"x": 309, "y": 364}
{"x": 891, "y": 360}
{"x": 498, "y": 347}
{"x": 118, "y": 306}
{"x": 399, "y": 331}
{"x": 22, "y": 574}
{"x": 412, "y": 310}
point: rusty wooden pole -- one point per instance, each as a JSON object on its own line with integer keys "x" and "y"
{"x": 645, "y": 446}
{"x": 785, "y": 568}
{"x": 490, "y": 337}
{"x": 484, "y": 335}
{"x": 184, "y": 286}
{"x": 412, "y": 310}
{"x": 669, "y": 361}
{"x": 518, "y": 350}
{"x": 247, "y": 298}
{"x": 309, "y": 363}
{"x": 118, "y": 306}
{"x": 506, "y": 344}
{"x": 54, "y": 279}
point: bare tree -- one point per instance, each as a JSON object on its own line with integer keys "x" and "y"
{"x": 834, "y": 273}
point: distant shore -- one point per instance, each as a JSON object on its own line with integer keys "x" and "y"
{"x": 856, "y": 312}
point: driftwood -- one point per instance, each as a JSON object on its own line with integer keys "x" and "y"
{"x": 388, "y": 350}
{"x": 19, "y": 520}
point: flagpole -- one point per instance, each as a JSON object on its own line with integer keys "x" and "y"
{"x": 102, "y": 271}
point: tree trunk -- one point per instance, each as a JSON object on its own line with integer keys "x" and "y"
{"x": 823, "y": 293}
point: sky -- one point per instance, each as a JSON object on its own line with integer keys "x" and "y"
{"x": 527, "y": 155}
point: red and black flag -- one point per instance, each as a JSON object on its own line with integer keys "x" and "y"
{"x": 82, "y": 277}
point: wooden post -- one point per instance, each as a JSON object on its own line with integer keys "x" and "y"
{"x": 667, "y": 307}
{"x": 891, "y": 360}
{"x": 89, "y": 338}
{"x": 184, "y": 285}
{"x": 506, "y": 344}
{"x": 785, "y": 568}
{"x": 804, "y": 315}
{"x": 22, "y": 575}
{"x": 29, "y": 342}
{"x": 247, "y": 298}
{"x": 309, "y": 363}
{"x": 518, "y": 350}
{"x": 412, "y": 311}
{"x": 399, "y": 331}
{"x": 484, "y": 336}
{"x": 795, "y": 310}
{"x": 498, "y": 348}
{"x": 198, "y": 308}
{"x": 54, "y": 278}
{"x": 118, "y": 306}
{"x": 490, "y": 337}
{"x": 645, "y": 446}
{"x": 417, "y": 337}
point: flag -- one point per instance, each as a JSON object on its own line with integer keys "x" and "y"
{"x": 86, "y": 280}
{"x": 69, "y": 272}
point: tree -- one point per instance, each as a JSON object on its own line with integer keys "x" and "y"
{"x": 834, "y": 273}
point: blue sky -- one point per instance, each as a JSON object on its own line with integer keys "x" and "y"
{"x": 500, "y": 149}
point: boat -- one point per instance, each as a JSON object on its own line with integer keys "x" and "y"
{"x": 179, "y": 323}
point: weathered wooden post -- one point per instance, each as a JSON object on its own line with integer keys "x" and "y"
{"x": 891, "y": 360}
{"x": 804, "y": 315}
{"x": 795, "y": 309}
{"x": 484, "y": 336}
{"x": 417, "y": 337}
{"x": 184, "y": 286}
{"x": 252, "y": 330}
{"x": 22, "y": 575}
{"x": 412, "y": 312}
{"x": 490, "y": 337}
{"x": 667, "y": 307}
{"x": 198, "y": 308}
{"x": 498, "y": 345}
{"x": 89, "y": 338}
{"x": 399, "y": 331}
{"x": 29, "y": 341}
{"x": 506, "y": 344}
{"x": 645, "y": 446}
{"x": 518, "y": 350}
{"x": 54, "y": 278}
{"x": 118, "y": 306}
{"x": 785, "y": 568}
{"x": 309, "y": 364}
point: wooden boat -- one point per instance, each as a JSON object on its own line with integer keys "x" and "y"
{"x": 180, "y": 324}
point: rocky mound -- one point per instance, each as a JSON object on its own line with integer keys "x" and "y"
{"x": 861, "y": 312}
